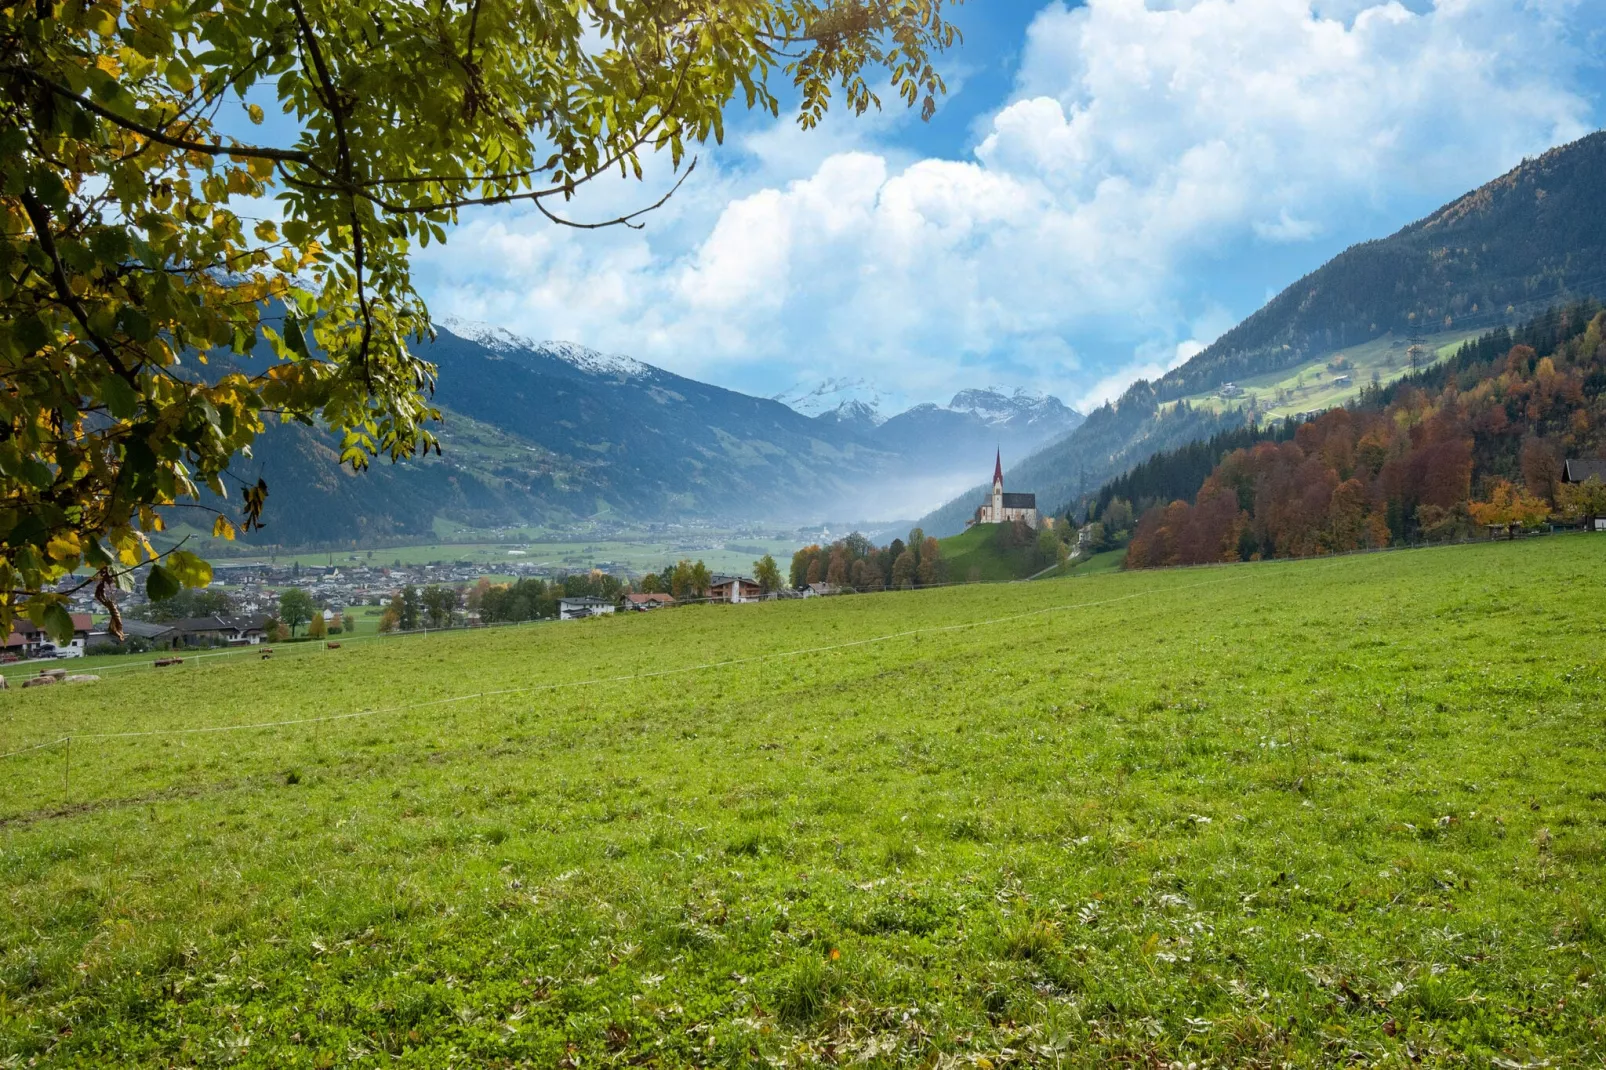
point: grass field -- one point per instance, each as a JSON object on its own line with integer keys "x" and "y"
{"x": 972, "y": 556}
{"x": 1311, "y": 386}
{"x": 573, "y": 556}
{"x": 1322, "y": 813}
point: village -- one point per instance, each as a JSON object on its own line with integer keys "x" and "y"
{"x": 245, "y": 602}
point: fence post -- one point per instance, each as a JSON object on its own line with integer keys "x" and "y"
{"x": 66, "y": 774}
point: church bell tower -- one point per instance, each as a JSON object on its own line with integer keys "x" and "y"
{"x": 998, "y": 488}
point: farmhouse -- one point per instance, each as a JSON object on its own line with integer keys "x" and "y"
{"x": 644, "y": 602}
{"x": 1583, "y": 469}
{"x": 1004, "y": 508}
{"x": 734, "y": 589}
{"x": 28, "y": 641}
{"x": 157, "y": 635}
{"x": 581, "y": 608}
{"x": 217, "y": 631}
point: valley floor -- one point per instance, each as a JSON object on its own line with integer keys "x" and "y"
{"x": 1293, "y": 813}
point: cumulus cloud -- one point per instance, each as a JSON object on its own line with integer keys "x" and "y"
{"x": 1144, "y": 137}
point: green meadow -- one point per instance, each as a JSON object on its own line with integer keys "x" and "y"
{"x": 1323, "y": 813}
{"x": 1310, "y": 385}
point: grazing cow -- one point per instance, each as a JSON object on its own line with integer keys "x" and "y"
{"x": 39, "y": 681}
{"x": 163, "y": 662}
{"x": 332, "y": 646}
{"x": 3, "y": 685}
{"x": 82, "y": 678}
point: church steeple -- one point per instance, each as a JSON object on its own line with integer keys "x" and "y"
{"x": 998, "y": 469}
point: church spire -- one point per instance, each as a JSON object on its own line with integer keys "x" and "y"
{"x": 998, "y": 468}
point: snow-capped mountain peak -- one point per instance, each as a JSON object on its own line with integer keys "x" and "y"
{"x": 855, "y": 399}
{"x": 502, "y": 341}
{"x": 997, "y": 405}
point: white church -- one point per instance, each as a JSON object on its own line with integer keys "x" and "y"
{"x": 1004, "y": 508}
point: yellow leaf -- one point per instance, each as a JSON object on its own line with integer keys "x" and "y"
{"x": 222, "y": 528}
{"x": 63, "y": 546}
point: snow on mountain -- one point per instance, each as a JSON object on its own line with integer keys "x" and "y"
{"x": 858, "y": 415}
{"x": 502, "y": 341}
{"x": 832, "y": 395}
{"x": 859, "y": 402}
{"x": 995, "y": 406}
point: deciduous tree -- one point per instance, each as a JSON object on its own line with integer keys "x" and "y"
{"x": 295, "y": 608}
{"x": 767, "y": 574}
{"x": 131, "y": 249}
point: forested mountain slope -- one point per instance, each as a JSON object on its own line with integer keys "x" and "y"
{"x": 1479, "y": 440}
{"x": 1531, "y": 239}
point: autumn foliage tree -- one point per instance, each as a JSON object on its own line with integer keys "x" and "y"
{"x": 140, "y": 270}
{"x": 1404, "y": 464}
{"x": 1511, "y": 507}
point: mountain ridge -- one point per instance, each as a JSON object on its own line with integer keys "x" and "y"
{"x": 1531, "y": 238}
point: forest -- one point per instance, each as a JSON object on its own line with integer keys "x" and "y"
{"x": 858, "y": 563}
{"x": 1475, "y": 443}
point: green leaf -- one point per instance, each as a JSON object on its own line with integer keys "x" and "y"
{"x": 293, "y": 336}
{"x": 119, "y": 397}
{"x": 57, "y": 623}
{"x": 188, "y": 569}
{"x": 161, "y": 584}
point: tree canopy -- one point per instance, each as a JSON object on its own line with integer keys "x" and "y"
{"x": 142, "y": 263}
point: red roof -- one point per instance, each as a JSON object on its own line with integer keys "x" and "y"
{"x": 25, "y": 631}
{"x": 656, "y": 597}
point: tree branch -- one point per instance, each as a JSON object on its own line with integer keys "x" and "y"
{"x": 210, "y": 148}
{"x": 39, "y": 216}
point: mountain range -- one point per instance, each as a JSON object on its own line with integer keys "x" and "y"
{"x": 553, "y": 433}
{"x": 1531, "y": 239}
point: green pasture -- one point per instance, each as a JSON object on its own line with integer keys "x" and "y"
{"x": 973, "y": 556}
{"x": 572, "y": 556}
{"x": 1311, "y": 386}
{"x": 1326, "y": 813}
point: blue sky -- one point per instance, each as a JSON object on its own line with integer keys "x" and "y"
{"x": 1109, "y": 187}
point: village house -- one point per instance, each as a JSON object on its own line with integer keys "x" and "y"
{"x": 218, "y": 631}
{"x": 1582, "y": 470}
{"x": 644, "y": 602}
{"x": 27, "y": 640}
{"x": 734, "y": 589}
{"x": 156, "y": 634}
{"x": 580, "y": 608}
{"x": 1005, "y": 508}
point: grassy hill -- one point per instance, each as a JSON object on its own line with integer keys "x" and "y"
{"x": 1306, "y": 813}
{"x": 974, "y": 555}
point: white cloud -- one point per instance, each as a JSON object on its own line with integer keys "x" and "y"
{"x": 1145, "y": 136}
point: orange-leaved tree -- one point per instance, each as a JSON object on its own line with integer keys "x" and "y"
{"x": 1510, "y": 505}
